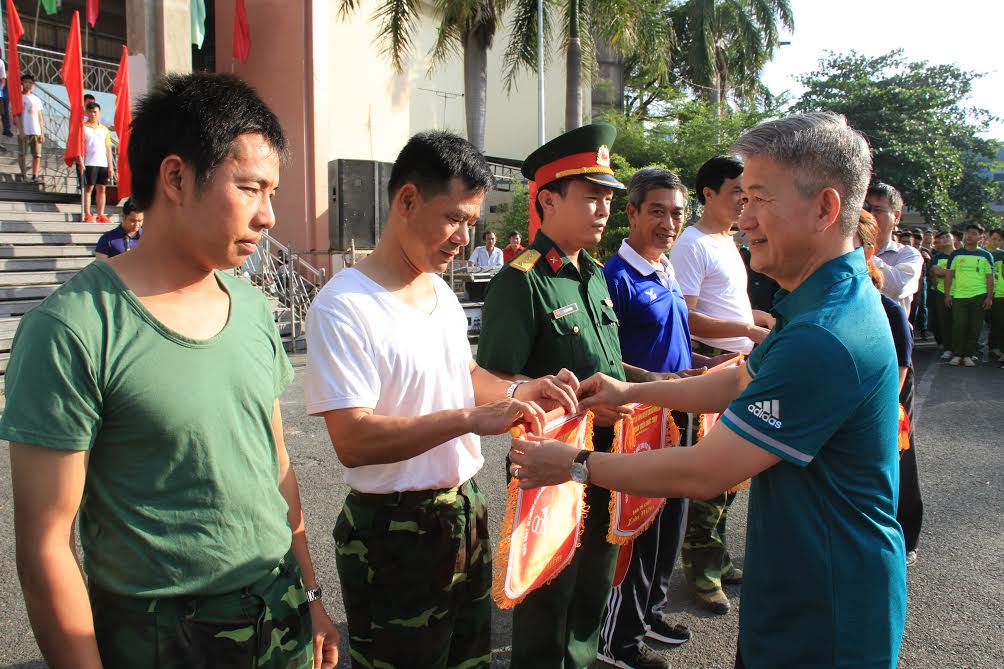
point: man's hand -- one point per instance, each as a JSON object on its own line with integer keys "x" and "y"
{"x": 757, "y": 333}
{"x": 497, "y": 417}
{"x": 537, "y": 461}
{"x": 763, "y": 319}
{"x": 326, "y": 637}
{"x": 988, "y": 303}
{"x": 552, "y": 391}
{"x": 600, "y": 390}
{"x": 608, "y": 416}
{"x": 41, "y": 138}
{"x": 948, "y": 300}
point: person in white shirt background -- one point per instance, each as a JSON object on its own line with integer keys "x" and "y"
{"x": 901, "y": 265}
{"x": 31, "y": 128}
{"x": 488, "y": 255}
{"x": 98, "y": 166}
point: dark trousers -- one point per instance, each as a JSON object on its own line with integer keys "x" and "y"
{"x": 557, "y": 626}
{"x": 739, "y": 660}
{"x": 967, "y": 319}
{"x": 943, "y": 317}
{"x": 933, "y": 319}
{"x": 6, "y": 111}
{"x": 918, "y": 310}
{"x": 643, "y": 595}
{"x": 910, "y": 512}
{"x": 997, "y": 324}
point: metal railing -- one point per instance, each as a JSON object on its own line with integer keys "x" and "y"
{"x": 44, "y": 65}
{"x": 282, "y": 274}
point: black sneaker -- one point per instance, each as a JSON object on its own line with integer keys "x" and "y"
{"x": 636, "y": 658}
{"x": 662, "y": 630}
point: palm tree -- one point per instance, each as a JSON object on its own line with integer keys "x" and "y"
{"x": 465, "y": 25}
{"x": 726, "y": 43}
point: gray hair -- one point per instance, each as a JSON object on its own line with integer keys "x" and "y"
{"x": 652, "y": 178}
{"x": 821, "y": 151}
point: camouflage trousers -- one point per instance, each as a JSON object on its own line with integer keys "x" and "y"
{"x": 416, "y": 576}
{"x": 265, "y": 625}
{"x": 705, "y": 554}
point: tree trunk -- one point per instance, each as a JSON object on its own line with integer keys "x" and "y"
{"x": 573, "y": 70}
{"x": 475, "y": 88}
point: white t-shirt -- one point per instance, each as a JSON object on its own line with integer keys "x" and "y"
{"x": 97, "y": 139}
{"x": 710, "y": 268}
{"x": 366, "y": 348}
{"x": 31, "y": 120}
{"x": 481, "y": 258}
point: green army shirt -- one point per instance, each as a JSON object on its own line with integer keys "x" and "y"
{"x": 542, "y": 314}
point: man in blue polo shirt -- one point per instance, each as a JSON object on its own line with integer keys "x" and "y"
{"x": 654, "y": 336}
{"x": 124, "y": 237}
{"x": 812, "y": 417}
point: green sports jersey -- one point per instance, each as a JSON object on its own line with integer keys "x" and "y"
{"x": 998, "y": 256}
{"x": 181, "y": 495}
{"x": 969, "y": 272}
{"x": 939, "y": 259}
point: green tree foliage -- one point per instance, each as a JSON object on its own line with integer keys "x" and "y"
{"x": 516, "y": 217}
{"x": 924, "y": 140}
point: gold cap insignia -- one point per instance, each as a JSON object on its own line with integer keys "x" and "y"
{"x": 603, "y": 156}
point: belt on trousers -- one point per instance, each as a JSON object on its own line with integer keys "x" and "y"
{"x": 409, "y": 497}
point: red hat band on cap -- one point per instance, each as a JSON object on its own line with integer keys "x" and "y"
{"x": 589, "y": 162}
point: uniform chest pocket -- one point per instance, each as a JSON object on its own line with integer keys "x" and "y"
{"x": 570, "y": 334}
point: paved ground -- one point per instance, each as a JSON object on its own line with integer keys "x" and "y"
{"x": 956, "y": 589}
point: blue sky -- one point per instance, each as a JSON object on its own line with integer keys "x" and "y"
{"x": 969, "y": 33}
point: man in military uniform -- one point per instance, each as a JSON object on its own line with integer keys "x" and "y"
{"x": 547, "y": 309}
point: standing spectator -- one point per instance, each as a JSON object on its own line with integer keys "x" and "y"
{"x": 488, "y": 255}
{"x": 31, "y": 129}
{"x": 712, "y": 277}
{"x": 124, "y": 237}
{"x": 919, "y": 308}
{"x": 654, "y": 336}
{"x": 969, "y": 291}
{"x": 759, "y": 287}
{"x": 6, "y": 100}
{"x": 996, "y": 238}
{"x": 956, "y": 239}
{"x": 98, "y": 164}
{"x": 941, "y": 315}
{"x": 901, "y": 265}
{"x": 513, "y": 248}
{"x": 927, "y": 240}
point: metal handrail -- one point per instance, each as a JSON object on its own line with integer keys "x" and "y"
{"x": 45, "y": 66}
{"x": 269, "y": 269}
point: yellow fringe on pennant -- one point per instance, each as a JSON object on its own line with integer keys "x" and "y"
{"x": 500, "y": 562}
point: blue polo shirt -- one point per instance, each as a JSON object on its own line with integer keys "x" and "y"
{"x": 653, "y": 331}
{"x": 115, "y": 242}
{"x": 825, "y": 571}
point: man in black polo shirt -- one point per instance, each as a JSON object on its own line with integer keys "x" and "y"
{"x": 124, "y": 237}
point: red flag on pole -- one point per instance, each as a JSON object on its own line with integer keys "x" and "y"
{"x": 534, "y": 218}
{"x": 14, "y": 32}
{"x": 242, "y": 33}
{"x": 123, "y": 117}
{"x": 92, "y": 12}
{"x": 72, "y": 74}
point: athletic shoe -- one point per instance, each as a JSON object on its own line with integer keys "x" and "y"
{"x": 911, "y": 558}
{"x": 733, "y": 576}
{"x": 662, "y": 630}
{"x": 947, "y": 355}
{"x": 954, "y": 362}
{"x": 970, "y": 361}
{"x": 714, "y": 601}
{"x": 637, "y": 658}
{"x": 89, "y": 218}
{"x": 104, "y": 219}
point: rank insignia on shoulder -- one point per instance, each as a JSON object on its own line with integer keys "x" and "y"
{"x": 554, "y": 260}
{"x": 564, "y": 311}
{"x": 525, "y": 261}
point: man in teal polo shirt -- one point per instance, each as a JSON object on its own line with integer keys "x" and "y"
{"x": 825, "y": 575}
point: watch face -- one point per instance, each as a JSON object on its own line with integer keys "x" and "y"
{"x": 579, "y": 472}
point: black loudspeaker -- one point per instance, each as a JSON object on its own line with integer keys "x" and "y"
{"x": 358, "y": 206}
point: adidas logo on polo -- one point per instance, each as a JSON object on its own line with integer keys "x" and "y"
{"x": 769, "y": 411}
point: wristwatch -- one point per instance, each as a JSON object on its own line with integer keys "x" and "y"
{"x": 314, "y": 595}
{"x": 512, "y": 388}
{"x": 580, "y": 470}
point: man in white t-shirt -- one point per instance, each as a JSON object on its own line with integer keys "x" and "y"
{"x": 390, "y": 369}
{"x": 488, "y": 255}
{"x": 97, "y": 162}
{"x": 31, "y": 128}
{"x": 712, "y": 277}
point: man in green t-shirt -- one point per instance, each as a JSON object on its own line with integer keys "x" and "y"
{"x": 969, "y": 291}
{"x": 996, "y": 241}
{"x": 143, "y": 396}
{"x": 941, "y": 315}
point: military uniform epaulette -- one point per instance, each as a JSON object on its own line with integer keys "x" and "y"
{"x": 525, "y": 261}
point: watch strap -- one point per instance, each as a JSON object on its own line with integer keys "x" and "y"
{"x": 582, "y": 456}
{"x": 314, "y": 595}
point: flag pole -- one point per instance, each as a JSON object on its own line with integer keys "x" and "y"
{"x": 34, "y": 36}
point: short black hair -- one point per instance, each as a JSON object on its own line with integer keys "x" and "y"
{"x": 515, "y": 233}
{"x": 975, "y": 226}
{"x": 942, "y": 233}
{"x": 92, "y": 105}
{"x": 957, "y": 234}
{"x": 882, "y": 189}
{"x": 197, "y": 117}
{"x": 129, "y": 207}
{"x": 714, "y": 173}
{"x": 431, "y": 159}
{"x": 559, "y": 186}
{"x": 484, "y": 235}
{"x": 996, "y": 231}
{"x": 28, "y": 77}
{"x": 88, "y": 96}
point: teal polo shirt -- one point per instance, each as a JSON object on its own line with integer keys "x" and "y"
{"x": 825, "y": 570}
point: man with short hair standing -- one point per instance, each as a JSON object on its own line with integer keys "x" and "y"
{"x": 488, "y": 255}
{"x": 654, "y": 336}
{"x": 389, "y": 368}
{"x": 996, "y": 242}
{"x": 31, "y": 129}
{"x": 901, "y": 265}
{"x": 969, "y": 291}
{"x": 124, "y": 237}
{"x": 712, "y": 276}
{"x": 143, "y": 395}
{"x": 98, "y": 166}
{"x": 812, "y": 416}
{"x": 941, "y": 315}
{"x": 513, "y": 248}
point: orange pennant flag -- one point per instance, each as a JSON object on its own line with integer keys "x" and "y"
{"x": 72, "y": 74}
{"x": 14, "y": 32}
{"x": 123, "y": 118}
